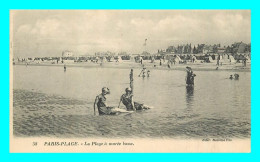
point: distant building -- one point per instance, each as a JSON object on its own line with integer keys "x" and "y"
{"x": 200, "y": 48}
{"x": 171, "y": 49}
{"x": 180, "y": 49}
{"x": 122, "y": 54}
{"x": 67, "y": 53}
{"x": 221, "y": 50}
{"x": 207, "y": 49}
{"x": 101, "y": 54}
{"x": 242, "y": 48}
{"x": 162, "y": 52}
{"x": 228, "y": 49}
{"x": 145, "y": 53}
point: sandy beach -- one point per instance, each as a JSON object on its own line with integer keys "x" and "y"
{"x": 197, "y": 66}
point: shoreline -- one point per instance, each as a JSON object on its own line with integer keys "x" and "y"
{"x": 131, "y": 65}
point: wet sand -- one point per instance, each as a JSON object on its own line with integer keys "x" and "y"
{"x": 40, "y": 115}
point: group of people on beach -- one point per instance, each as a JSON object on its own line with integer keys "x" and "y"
{"x": 127, "y": 99}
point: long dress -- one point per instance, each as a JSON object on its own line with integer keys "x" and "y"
{"x": 190, "y": 78}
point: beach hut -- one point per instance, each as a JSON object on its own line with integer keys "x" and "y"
{"x": 226, "y": 58}
{"x": 210, "y": 59}
{"x": 99, "y": 60}
{"x": 178, "y": 59}
{"x": 132, "y": 58}
{"x": 248, "y": 58}
{"x": 118, "y": 59}
{"x": 193, "y": 58}
{"x": 104, "y": 59}
{"x": 169, "y": 56}
{"x": 111, "y": 59}
{"x": 231, "y": 59}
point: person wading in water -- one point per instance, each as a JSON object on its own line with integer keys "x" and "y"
{"x": 190, "y": 77}
{"x": 143, "y": 71}
{"x": 65, "y": 67}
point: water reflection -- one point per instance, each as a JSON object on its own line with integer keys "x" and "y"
{"x": 189, "y": 96}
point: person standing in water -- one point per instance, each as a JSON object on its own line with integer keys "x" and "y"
{"x": 190, "y": 77}
{"x": 143, "y": 71}
{"x": 65, "y": 67}
{"x": 148, "y": 73}
{"x": 100, "y": 102}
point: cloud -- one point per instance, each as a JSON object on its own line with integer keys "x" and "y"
{"x": 24, "y": 29}
{"x": 49, "y": 32}
{"x": 46, "y": 27}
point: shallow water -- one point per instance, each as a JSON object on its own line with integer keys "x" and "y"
{"x": 50, "y": 102}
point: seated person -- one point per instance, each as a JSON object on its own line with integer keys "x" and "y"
{"x": 100, "y": 101}
{"x": 127, "y": 100}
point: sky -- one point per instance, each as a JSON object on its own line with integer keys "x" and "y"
{"x": 39, "y": 33}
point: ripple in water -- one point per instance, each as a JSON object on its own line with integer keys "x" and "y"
{"x": 63, "y": 105}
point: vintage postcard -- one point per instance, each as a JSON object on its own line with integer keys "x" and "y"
{"x": 130, "y": 81}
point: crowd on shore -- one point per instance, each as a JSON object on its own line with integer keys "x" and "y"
{"x": 223, "y": 61}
